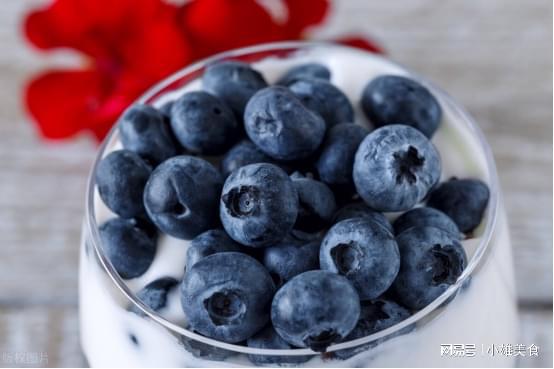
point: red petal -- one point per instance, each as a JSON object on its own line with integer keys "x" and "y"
{"x": 304, "y": 13}
{"x": 361, "y": 43}
{"x": 216, "y": 25}
{"x": 65, "y": 102}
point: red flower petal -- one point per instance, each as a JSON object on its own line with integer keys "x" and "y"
{"x": 304, "y": 13}
{"x": 361, "y": 43}
{"x": 64, "y": 102}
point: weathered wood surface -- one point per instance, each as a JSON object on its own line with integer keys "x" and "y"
{"x": 494, "y": 56}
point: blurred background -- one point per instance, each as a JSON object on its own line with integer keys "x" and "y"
{"x": 495, "y": 57}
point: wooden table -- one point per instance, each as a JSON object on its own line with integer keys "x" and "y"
{"x": 494, "y": 56}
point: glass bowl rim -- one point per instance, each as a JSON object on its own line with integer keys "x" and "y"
{"x": 475, "y": 261}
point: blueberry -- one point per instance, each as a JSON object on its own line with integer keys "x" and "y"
{"x": 316, "y": 204}
{"x": 426, "y": 217}
{"x": 431, "y": 261}
{"x": 303, "y": 71}
{"x": 336, "y": 160}
{"x": 243, "y": 153}
{"x": 154, "y": 294}
{"x": 259, "y": 205}
{"x": 400, "y": 100}
{"x": 204, "y": 351}
{"x": 144, "y": 130}
{"x": 181, "y": 196}
{"x": 290, "y": 257}
{"x": 325, "y": 99}
{"x": 281, "y": 126}
{"x": 361, "y": 210}
{"x": 234, "y": 83}
{"x": 463, "y": 200}
{"x": 208, "y": 243}
{"x": 375, "y": 315}
{"x": 315, "y": 309}
{"x": 362, "y": 251}
{"x": 129, "y": 245}
{"x": 203, "y": 123}
{"x": 121, "y": 177}
{"x": 226, "y": 296}
{"x": 267, "y": 338}
{"x": 165, "y": 109}
{"x": 395, "y": 167}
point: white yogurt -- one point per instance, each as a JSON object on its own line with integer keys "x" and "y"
{"x": 482, "y": 314}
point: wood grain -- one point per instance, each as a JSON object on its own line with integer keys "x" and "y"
{"x": 494, "y": 56}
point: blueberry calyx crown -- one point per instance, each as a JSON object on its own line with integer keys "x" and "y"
{"x": 447, "y": 265}
{"x": 406, "y": 164}
{"x": 321, "y": 340}
{"x": 241, "y": 201}
{"x": 225, "y": 307}
{"x": 346, "y": 257}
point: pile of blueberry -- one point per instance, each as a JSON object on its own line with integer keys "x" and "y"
{"x": 283, "y": 198}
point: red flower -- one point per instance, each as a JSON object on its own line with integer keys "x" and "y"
{"x": 130, "y": 45}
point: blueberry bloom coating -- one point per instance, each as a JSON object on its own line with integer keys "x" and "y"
{"x": 267, "y": 338}
{"x": 304, "y": 71}
{"x": 431, "y": 261}
{"x": 336, "y": 160}
{"x": 144, "y": 130}
{"x": 181, "y": 196}
{"x": 291, "y": 257}
{"x": 243, "y": 153}
{"x": 316, "y": 204}
{"x": 203, "y": 123}
{"x": 226, "y": 296}
{"x": 259, "y": 205}
{"x": 426, "y": 217}
{"x": 463, "y": 200}
{"x": 129, "y": 245}
{"x": 375, "y": 316}
{"x": 361, "y": 210}
{"x": 364, "y": 252}
{"x": 121, "y": 177}
{"x": 208, "y": 243}
{"x": 154, "y": 294}
{"x": 325, "y": 99}
{"x": 395, "y": 167}
{"x": 395, "y": 99}
{"x": 281, "y": 126}
{"x": 315, "y": 309}
{"x": 233, "y": 82}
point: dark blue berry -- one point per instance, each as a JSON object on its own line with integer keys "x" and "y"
{"x": 267, "y": 338}
{"x": 203, "y": 123}
{"x": 226, "y": 296}
{"x": 181, "y": 196}
{"x": 129, "y": 246}
{"x": 361, "y": 210}
{"x": 154, "y": 294}
{"x": 208, "y": 243}
{"x": 431, "y": 261}
{"x": 243, "y": 153}
{"x": 202, "y": 350}
{"x": 315, "y": 309}
{"x": 233, "y": 82}
{"x": 336, "y": 160}
{"x": 145, "y": 131}
{"x": 291, "y": 257}
{"x": 281, "y": 126}
{"x": 463, "y": 200}
{"x": 303, "y": 71}
{"x": 395, "y": 167}
{"x": 121, "y": 177}
{"x": 375, "y": 316}
{"x": 259, "y": 205}
{"x": 316, "y": 204}
{"x": 364, "y": 252}
{"x": 324, "y": 99}
{"x": 426, "y": 217}
{"x": 165, "y": 109}
{"x": 400, "y": 100}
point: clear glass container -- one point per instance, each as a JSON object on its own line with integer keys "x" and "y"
{"x": 457, "y": 329}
